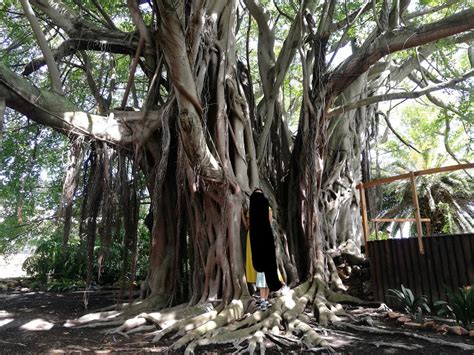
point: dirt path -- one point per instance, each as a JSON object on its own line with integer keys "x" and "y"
{"x": 49, "y": 311}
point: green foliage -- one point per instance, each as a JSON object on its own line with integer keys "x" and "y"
{"x": 48, "y": 261}
{"x": 30, "y": 181}
{"x": 52, "y": 270}
{"x": 460, "y": 305}
{"x": 382, "y": 235}
{"x": 410, "y": 304}
{"x": 443, "y": 197}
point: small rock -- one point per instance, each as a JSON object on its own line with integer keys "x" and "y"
{"x": 457, "y": 330}
{"x": 404, "y": 319}
{"x": 393, "y": 315}
{"x": 442, "y": 328}
{"x": 429, "y": 325}
{"x": 412, "y": 325}
{"x": 471, "y": 333}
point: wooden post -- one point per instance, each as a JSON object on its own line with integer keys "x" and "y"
{"x": 417, "y": 212}
{"x": 365, "y": 225}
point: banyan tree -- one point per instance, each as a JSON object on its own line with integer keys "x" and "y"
{"x": 201, "y": 116}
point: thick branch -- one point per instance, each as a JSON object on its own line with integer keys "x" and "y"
{"x": 397, "y": 96}
{"x": 190, "y": 110}
{"x": 266, "y": 41}
{"x": 92, "y": 43}
{"x": 392, "y": 42}
{"x": 43, "y": 43}
{"x": 57, "y": 112}
{"x": 276, "y": 75}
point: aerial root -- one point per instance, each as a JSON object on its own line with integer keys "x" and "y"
{"x": 128, "y": 325}
{"x": 161, "y": 320}
{"x": 185, "y": 325}
{"x": 232, "y": 312}
{"x": 96, "y": 319}
{"x": 257, "y": 339}
{"x": 287, "y": 324}
{"x": 143, "y": 328}
{"x": 375, "y": 330}
{"x": 336, "y": 281}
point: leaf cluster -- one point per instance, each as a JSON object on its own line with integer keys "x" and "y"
{"x": 407, "y": 300}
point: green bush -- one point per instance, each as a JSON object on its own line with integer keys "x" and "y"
{"x": 52, "y": 270}
{"x": 48, "y": 261}
{"x": 460, "y": 305}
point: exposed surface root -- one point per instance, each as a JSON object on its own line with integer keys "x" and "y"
{"x": 375, "y": 330}
{"x": 96, "y": 319}
{"x": 186, "y": 325}
{"x": 289, "y": 324}
{"x": 285, "y": 324}
{"x": 231, "y": 313}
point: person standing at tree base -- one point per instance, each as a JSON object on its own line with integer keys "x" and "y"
{"x": 261, "y": 254}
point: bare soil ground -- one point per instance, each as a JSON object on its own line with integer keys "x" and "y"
{"x": 19, "y": 308}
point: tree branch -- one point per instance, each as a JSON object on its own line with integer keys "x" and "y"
{"x": 396, "y": 96}
{"x": 281, "y": 12}
{"x": 448, "y": 147}
{"x": 66, "y": 48}
{"x": 105, "y": 15}
{"x": 400, "y": 73}
{"x": 351, "y": 17}
{"x": 430, "y": 10}
{"x": 101, "y": 101}
{"x": 138, "y": 19}
{"x": 389, "y": 125}
{"x": 85, "y": 32}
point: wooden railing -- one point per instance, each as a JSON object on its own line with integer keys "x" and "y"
{"x": 410, "y": 175}
{"x": 377, "y": 221}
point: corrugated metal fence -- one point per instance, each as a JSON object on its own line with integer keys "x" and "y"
{"x": 448, "y": 262}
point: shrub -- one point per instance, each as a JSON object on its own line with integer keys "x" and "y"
{"x": 415, "y": 306}
{"x": 460, "y": 305}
